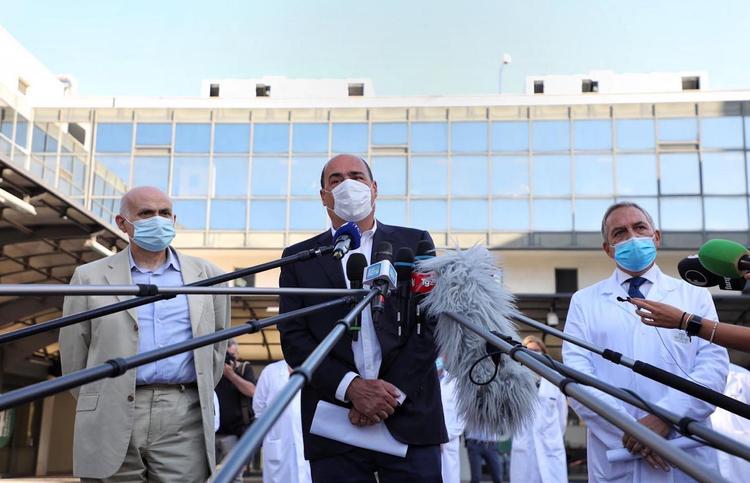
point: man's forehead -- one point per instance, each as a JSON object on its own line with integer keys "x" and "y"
{"x": 345, "y": 165}
{"x": 626, "y": 216}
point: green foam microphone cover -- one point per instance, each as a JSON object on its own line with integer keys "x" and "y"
{"x": 722, "y": 257}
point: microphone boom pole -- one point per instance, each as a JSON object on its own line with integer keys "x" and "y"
{"x": 142, "y": 290}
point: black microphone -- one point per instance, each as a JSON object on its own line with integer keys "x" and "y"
{"x": 425, "y": 251}
{"x": 384, "y": 253}
{"x": 404, "y": 265}
{"x": 355, "y": 270}
{"x": 346, "y": 238}
{"x": 693, "y": 272}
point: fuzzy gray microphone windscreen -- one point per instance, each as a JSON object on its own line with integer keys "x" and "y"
{"x": 469, "y": 283}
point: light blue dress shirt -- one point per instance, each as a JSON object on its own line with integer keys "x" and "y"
{"x": 163, "y": 323}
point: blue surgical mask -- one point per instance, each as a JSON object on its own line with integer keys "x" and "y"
{"x": 153, "y": 234}
{"x": 635, "y": 254}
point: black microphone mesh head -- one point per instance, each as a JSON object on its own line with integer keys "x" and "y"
{"x": 404, "y": 263}
{"x": 355, "y": 267}
{"x": 692, "y": 271}
{"x": 425, "y": 249}
{"x": 384, "y": 252}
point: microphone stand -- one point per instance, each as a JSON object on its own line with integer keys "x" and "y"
{"x": 571, "y": 388}
{"x": 137, "y": 302}
{"x": 141, "y": 290}
{"x": 300, "y": 376}
{"x": 118, "y": 366}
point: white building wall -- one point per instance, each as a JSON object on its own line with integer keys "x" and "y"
{"x": 284, "y": 88}
{"x": 613, "y": 83}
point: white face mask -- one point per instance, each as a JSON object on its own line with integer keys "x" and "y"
{"x": 352, "y": 200}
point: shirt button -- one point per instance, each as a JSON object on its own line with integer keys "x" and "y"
{"x": 130, "y": 398}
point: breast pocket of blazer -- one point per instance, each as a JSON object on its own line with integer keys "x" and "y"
{"x": 87, "y": 402}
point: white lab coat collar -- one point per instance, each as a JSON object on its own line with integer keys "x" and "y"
{"x": 662, "y": 285}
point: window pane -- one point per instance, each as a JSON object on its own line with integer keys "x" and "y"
{"x": 43, "y": 141}
{"x": 267, "y": 215}
{"x": 306, "y": 175}
{"x": 681, "y": 213}
{"x": 22, "y": 131}
{"x": 469, "y": 137}
{"x": 593, "y": 134}
{"x": 6, "y": 122}
{"x": 469, "y": 215}
{"x": 651, "y": 205}
{"x": 726, "y": 213}
{"x": 721, "y": 132}
{"x": 119, "y": 165}
{"x": 510, "y": 176}
{"x": 191, "y": 214}
{"x": 231, "y": 176}
{"x": 675, "y": 130}
{"x": 151, "y": 171}
{"x": 636, "y": 174}
{"x": 679, "y": 174}
{"x": 391, "y": 212}
{"x": 309, "y": 138}
{"x": 231, "y": 138}
{"x": 552, "y": 215}
{"x": 114, "y": 137}
{"x": 429, "y": 176}
{"x": 469, "y": 176}
{"x": 510, "y": 215}
{"x": 390, "y": 173}
{"x": 149, "y": 134}
{"x": 271, "y": 138}
{"x": 269, "y": 176}
{"x": 429, "y": 214}
{"x": 349, "y": 138}
{"x": 190, "y": 177}
{"x": 510, "y": 136}
{"x": 551, "y": 175}
{"x": 723, "y": 173}
{"x": 550, "y": 135}
{"x": 635, "y": 134}
{"x": 192, "y": 138}
{"x": 307, "y": 215}
{"x": 429, "y": 137}
{"x": 589, "y": 213}
{"x": 228, "y": 214}
{"x": 390, "y": 134}
{"x": 594, "y": 175}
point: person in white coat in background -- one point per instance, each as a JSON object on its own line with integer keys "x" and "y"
{"x": 736, "y": 427}
{"x": 598, "y": 317}
{"x": 283, "y": 454}
{"x": 450, "y": 458}
{"x": 538, "y": 452}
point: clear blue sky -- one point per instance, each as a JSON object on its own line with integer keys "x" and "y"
{"x": 407, "y": 47}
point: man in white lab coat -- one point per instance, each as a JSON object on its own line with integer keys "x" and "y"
{"x": 283, "y": 453}
{"x": 734, "y": 426}
{"x": 450, "y": 457}
{"x": 595, "y": 315}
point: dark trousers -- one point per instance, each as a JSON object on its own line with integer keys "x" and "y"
{"x": 422, "y": 465}
{"x": 486, "y": 450}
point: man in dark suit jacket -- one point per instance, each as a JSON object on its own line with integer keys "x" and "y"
{"x": 382, "y": 377}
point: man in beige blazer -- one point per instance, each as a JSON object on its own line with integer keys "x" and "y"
{"x": 154, "y": 422}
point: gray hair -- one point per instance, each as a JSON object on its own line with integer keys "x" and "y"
{"x": 624, "y": 204}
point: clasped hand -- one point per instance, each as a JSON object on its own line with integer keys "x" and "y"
{"x": 374, "y": 400}
{"x": 659, "y": 427}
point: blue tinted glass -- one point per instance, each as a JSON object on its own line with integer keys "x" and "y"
{"x": 594, "y": 175}
{"x": 309, "y": 138}
{"x": 551, "y": 175}
{"x": 231, "y": 138}
{"x": 635, "y": 134}
{"x": 681, "y": 213}
{"x": 469, "y": 176}
{"x": 151, "y": 171}
{"x": 429, "y": 137}
{"x": 307, "y": 215}
{"x": 271, "y": 138}
{"x": 510, "y": 136}
{"x": 390, "y": 133}
{"x": 429, "y": 176}
{"x": 114, "y": 137}
{"x": 510, "y": 176}
{"x": 191, "y": 214}
{"x": 267, "y": 215}
{"x": 469, "y": 137}
{"x": 269, "y": 177}
{"x": 429, "y": 214}
{"x": 592, "y": 134}
{"x": 675, "y": 130}
{"x": 679, "y": 174}
{"x": 721, "y": 132}
{"x": 119, "y": 165}
{"x": 550, "y": 135}
{"x": 636, "y": 174}
{"x": 192, "y": 138}
{"x": 43, "y": 141}
{"x": 306, "y": 175}
{"x": 726, "y": 213}
{"x": 552, "y": 215}
{"x": 22, "y": 131}
{"x": 469, "y": 215}
{"x": 390, "y": 173}
{"x": 588, "y": 215}
{"x": 391, "y": 212}
{"x": 510, "y": 215}
{"x": 231, "y": 176}
{"x": 723, "y": 173}
{"x": 6, "y": 122}
{"x": 147, "y": 134}
{"x": 190, "y": 177}
{"x": 349, "y": 138}
{"x": 228, "y": 214}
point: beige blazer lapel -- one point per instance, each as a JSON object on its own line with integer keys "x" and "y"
{"x": 118, "y": 273}
{"x": 193, "y": 272}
